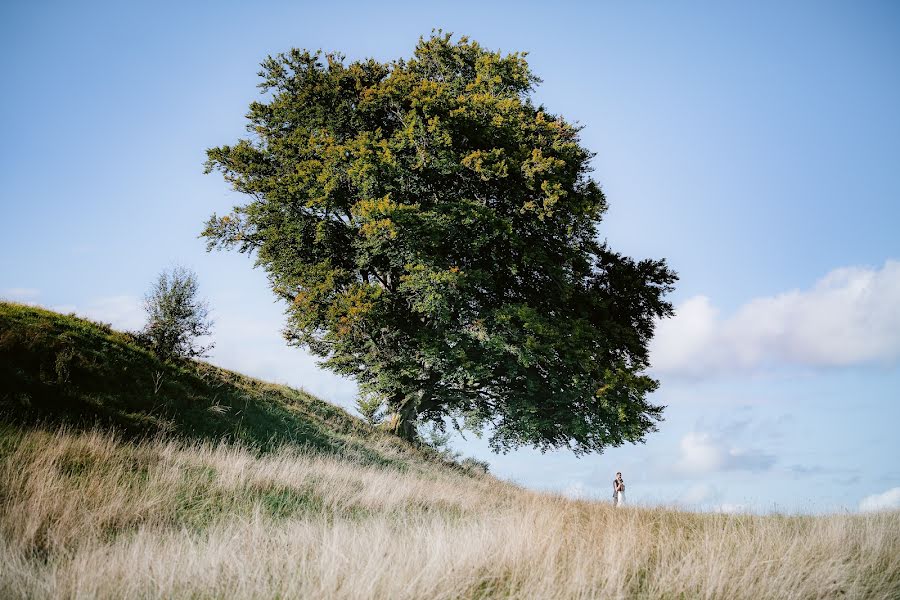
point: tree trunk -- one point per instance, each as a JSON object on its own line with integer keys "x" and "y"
{"x": 403, "y": 421}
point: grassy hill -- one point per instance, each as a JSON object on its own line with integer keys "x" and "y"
{"x": 121, "y": 477}
{"x": 63, "y": 370}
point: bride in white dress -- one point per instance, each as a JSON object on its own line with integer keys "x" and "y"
{"x": 618, "y": 490}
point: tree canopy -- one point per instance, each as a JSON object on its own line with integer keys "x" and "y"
{"x": 434, "y": 233}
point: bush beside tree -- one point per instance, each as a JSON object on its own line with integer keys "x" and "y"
{"x": 176, "y": 317}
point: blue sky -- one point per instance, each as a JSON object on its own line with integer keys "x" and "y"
{"x": 754, "y": 145}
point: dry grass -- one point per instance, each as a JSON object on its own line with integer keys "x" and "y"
{"x": 86, "y": 515}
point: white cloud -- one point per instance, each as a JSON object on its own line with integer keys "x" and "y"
{"x": 122, "y": 312}
{"x": 698, "y": 494}
{"x": 701, "y": 453}
{"x": 253, "y": 345}
{"x": 849, "y": 317}
{"x": 729, "y": 508}
{"x": 21, "y": 294}
{"x": 888, "y": 500}
{"x": 64, "y": 308}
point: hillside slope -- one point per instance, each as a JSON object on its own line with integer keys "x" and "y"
{"x": 220, "y": 486}
{"x": 63, "y": 370}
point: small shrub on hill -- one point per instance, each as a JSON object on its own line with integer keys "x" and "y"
{"x": 176, "y": 317}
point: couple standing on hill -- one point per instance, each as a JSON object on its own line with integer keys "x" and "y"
{"x": 618, "y": 490}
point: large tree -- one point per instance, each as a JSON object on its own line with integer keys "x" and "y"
{"x": 434, "y": 233}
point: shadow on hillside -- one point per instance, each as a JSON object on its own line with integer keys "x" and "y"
{"x": 58, "y": 369}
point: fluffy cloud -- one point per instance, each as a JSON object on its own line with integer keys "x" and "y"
{"x": 888, "y": 500}
{"x": 849, "y": 317}
{"x": 253, "y": 345}
{"x": 702, "y": 453}
{"x": 19, "y": 294}
{"x": 697, "y": 494}
{"x": 122, "y": 312}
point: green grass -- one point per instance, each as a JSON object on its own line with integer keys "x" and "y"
{"x": 63, "y": 370}
{"x": 125, "y": 477}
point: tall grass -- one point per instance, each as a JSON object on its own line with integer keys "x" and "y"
{"x": 88, "y": 515}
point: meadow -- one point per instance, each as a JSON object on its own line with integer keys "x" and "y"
{"x": 87, "y": 514}
{"x": 214, "y": 485}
